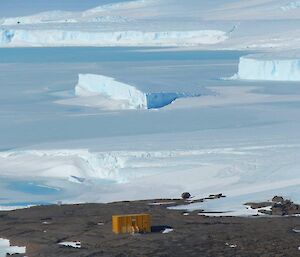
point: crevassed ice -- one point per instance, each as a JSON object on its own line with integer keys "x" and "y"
{"x": 35, "y": 37}
{"x": 260, "y": 68}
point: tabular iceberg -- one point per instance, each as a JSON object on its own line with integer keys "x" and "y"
{"x": 91, "y": 84}
{"x": 264, "y": 67}
{"x": 107, "y": 93}
{"x": 37, "y": 37}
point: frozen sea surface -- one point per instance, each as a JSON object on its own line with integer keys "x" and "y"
{"x": 240, "y": 138}
{"x": 33, "y": 79}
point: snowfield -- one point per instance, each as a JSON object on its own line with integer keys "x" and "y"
{"x": 242, "y": 173}
{"x": 90, "y": 15}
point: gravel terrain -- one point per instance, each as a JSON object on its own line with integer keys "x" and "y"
{"x": 42, "y": 228}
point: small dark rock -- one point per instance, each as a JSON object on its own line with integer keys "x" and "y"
{"x": 277, "y": 199}
{"x": 216, "y": 196}
{"x": 185, "y": 195}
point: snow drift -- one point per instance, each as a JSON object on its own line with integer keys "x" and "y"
{"x": 38, "y": 37}
{"x": 106, "y": 92}
{"x": 269, "y": 67}
{"x": 67, "y": 164}
{"x": 238, "y": 172}
{"x": 77, "y": 165}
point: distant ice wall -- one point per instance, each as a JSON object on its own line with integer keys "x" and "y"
{"x": 35, "y": 37}
{"x": 268, "y": 68}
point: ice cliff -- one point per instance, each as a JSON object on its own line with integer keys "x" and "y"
{"x": 37, "y": 37}
{"x": 269, "y": 67}
{"x": 107, "y": 93}
{"x": 107, "y": 87}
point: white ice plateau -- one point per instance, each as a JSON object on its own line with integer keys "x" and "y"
{"x": 204, "y": 24}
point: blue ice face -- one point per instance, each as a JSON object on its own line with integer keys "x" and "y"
{"x": 159, "y": 100}
{"x": 6, "y": 36}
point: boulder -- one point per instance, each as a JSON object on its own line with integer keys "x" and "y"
{"x": 277, "y": 199}
{"x": 185, "y": 195}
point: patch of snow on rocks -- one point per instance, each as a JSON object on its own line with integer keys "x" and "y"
{"x": 168, "y": 230}
{"x": 6, "y": 248}
{"x": 75, "y": 244}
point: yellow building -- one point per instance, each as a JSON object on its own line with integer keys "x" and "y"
{"x": 133, "y": 223}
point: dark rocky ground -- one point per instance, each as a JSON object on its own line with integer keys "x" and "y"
{"x": 278, "y": 206}
{"x": 193, "y": 235}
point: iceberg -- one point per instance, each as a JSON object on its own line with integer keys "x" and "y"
{"x": 109, "y": 93}
{"x": 269, "y": 67}
{"x": 91, "y": 85}
{"x": 52, "y": 37}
